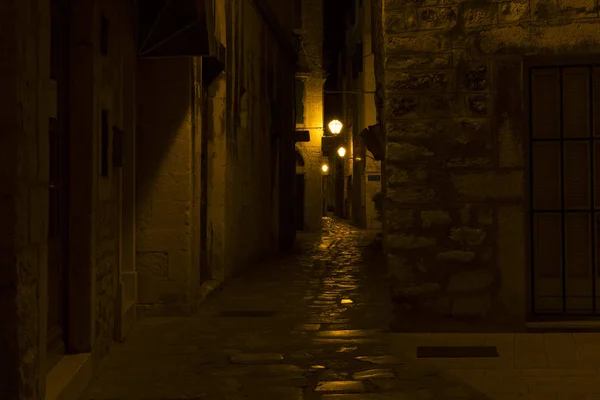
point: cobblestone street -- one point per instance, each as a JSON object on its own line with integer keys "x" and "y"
{"x": 311, "y": 325}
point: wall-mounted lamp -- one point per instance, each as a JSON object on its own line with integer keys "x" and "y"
{"x": 341, "y": 152}
{"x": 324, "y": 167}
{"x": 357, "y": 159}
{"x": 335, "y": 126}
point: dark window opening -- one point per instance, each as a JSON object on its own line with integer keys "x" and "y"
{"x": 104, "y": 144}
{"x": 299, "y": 101}
{"x": 297, "y": 14}
{"x": 564, "y": 155}
{"x": 104, "y": 35}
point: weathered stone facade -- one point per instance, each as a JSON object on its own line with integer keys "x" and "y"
{"x": 23, "y": 199}
{"x": 450, "y": 97}
{"x": 165, "y": 183}
{"x": 134, "y": 221}
{"x": 362, "y": 180}
{"x": 313, "y": 76}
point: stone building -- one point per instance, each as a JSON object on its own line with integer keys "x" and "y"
{"x": 140, "y": 142}
{"x": 358, "y": 92}
{"x": 309, "y": 115}
{"x": 357, "y": 175}
{"x": 489, "y": 110}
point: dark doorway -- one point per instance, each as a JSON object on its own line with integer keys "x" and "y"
{"x": 339, "y": 188}
{"x": 348, "y": 198}
{"x": 299, "y": 202}
{"x": 58, "y": 215}
{"x": 565, "y": 195}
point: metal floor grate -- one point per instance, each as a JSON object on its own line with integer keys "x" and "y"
{"x": 246, "y": 313}
{"x": 456, "y": 351}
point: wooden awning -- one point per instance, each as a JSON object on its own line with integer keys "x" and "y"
{"x": 174, "y": 28}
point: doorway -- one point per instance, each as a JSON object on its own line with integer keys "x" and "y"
{"x": 564, "y": 154}
{"x": 299, "y": 192}
{"x": 299, "y": 202}
{"x": 58, "y": 207}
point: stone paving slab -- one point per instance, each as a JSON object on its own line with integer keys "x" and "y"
{"x": 326, "y": 339}
{"x": 529, "y": 365}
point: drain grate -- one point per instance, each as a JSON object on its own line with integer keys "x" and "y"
{"x": 456, "y": 351}
{"x": 246, "y": 313}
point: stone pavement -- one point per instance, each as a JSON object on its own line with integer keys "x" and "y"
{"x": 311, "y": 325}
{"x": 533, "y": 366}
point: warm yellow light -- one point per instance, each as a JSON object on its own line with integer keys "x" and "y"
{"x": 325, "y": 167}
{"x": 341, "y": 152}
{"x": 358, "y": 159}
{"x": 335, "y": 126}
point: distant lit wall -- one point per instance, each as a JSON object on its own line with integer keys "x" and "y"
{"x": 312, "y": 60}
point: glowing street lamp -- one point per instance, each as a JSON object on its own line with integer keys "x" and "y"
{"x": 325, "y": 167}
{"x": 341, "y": 152}
{"x": 335, "y": 126}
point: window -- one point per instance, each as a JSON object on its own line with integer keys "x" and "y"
{"x": 564, "y": 188}
{"x": 299, "y": 101}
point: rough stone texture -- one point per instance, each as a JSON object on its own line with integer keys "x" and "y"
{"x": 432, "y": 218}
{"x": 102, "y": 82}
{"x": 183, "y": 357}
{"x": 246, "y": 109}
{"x": 164, "y": 189}
{"x": 313, "y": 77}
{"x": 109, "y": 89}
{"x": 456, "y": 255}
{"x": 450, "y": 90}
{"x": 23, "y": 196}
{"x": 260, "y": 160}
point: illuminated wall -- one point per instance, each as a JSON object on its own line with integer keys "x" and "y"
{"x": 311, "y": 60}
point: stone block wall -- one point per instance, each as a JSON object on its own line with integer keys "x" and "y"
{"x": 108, "y": 90}
{"x": 368, "y": 116}
{"x": 164, "y": 183}
{"x": 450, "y": 98}
{"x": 261, "y": 107}
{"x": 311, "y": 56}
{"x": 23, "y": 195}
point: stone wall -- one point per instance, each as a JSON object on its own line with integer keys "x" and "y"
{"x": 449, "y": 79}
{"x": 260, "y": 160}
{"x": 164, "y": 183}
{"x": 109, "y": 98}
{"x": 368, "y": 116}
{"x": 311, "y": 59}
{"x": 23, "y": 195}
{"x": 29, "y": 100}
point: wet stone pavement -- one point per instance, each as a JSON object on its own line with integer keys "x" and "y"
{"x": 310, "y": 325}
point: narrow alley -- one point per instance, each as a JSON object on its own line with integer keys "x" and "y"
{"x": 311, "y": 325}
{"x": 299, "y": 199}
